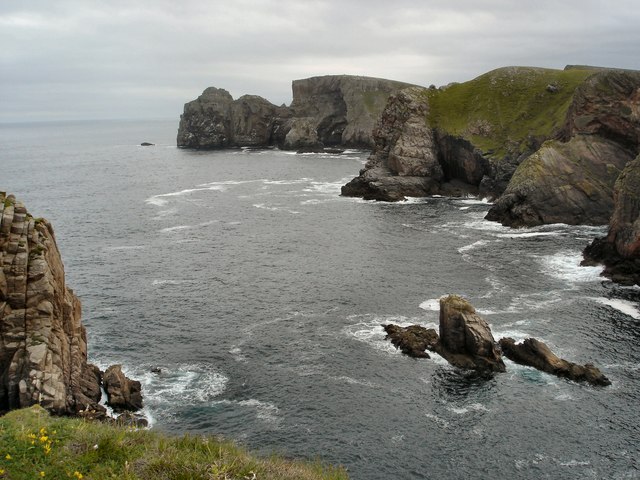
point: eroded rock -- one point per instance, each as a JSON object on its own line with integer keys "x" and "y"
{"x": 122, "y": 392}
{"x": 537, "y": 354}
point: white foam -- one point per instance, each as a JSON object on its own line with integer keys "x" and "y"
{"x": 475, "y": 201}
{"x": 236, "y": 352}
{"x": 565, "y": 265}
{"x": 178, "y": 228}
{"x": 474, "y": 407}
{"x": 161, "y": 199}
{"x": 529, "y": 234}
{"x": 186, "y": 384}
{"x": 625, "y": 306}
{"x": 431, "y": 305}
{"x": 127, "y": 247}
{"x": 371, "y": 332}
{"x": 354, "y": 381}
{"x": 264, "y": 206}
{"x": 264, "y": 410}
{"x": 464, "y": 208}
{"x": 473, "y": 246}
{"x": 157, "y": 282}
{"x": 441, "y": 422}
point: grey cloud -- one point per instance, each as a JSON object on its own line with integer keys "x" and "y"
{"x": 136, "y": 59}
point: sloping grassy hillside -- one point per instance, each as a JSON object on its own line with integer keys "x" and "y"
{"x": 505, "y": 110}
{"x": 36, "y": 445}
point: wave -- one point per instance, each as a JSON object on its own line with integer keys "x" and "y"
{"x": 473, "y": 246}
{"x": 566, "y": 266}
{"x": 624, "y": 306}
{"x": 264, "y": 206}
{"x": 159, "y": 200}
{"x": 474, "y": 407}
{"x": 178, "y": 228}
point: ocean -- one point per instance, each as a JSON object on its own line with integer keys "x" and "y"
{"x": 259, "y": 293}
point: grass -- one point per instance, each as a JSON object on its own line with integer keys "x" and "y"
{"x": 34, "y": 444}
{"x": 508, "y": 110}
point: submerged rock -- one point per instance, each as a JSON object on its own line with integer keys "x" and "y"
{"x": 537, "y": 354}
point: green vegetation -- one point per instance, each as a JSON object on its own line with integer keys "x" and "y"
{"x": 458, "y": 303}
{"x": 36, "y": 445}
{"x": 508, "y": 109}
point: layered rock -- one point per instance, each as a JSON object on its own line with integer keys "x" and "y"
{"x": 571, "y": 180}
{"x": 568, "y": 182}
{"x": 326, "y": 111}
{"x": 43, "y": 344}
{"x": 537, "y": 354}
{"x": 619, "y": 250}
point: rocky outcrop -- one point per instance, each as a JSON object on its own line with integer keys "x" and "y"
{"x": 537, "y": 354}
{"x": 43, "y": 344}
{"x": 122, "y": 392}
{"x": 568, "y": 182}
{"x": 571, "y": 180}
{"x": 619, "y": 250}
{"x": 216, "y": 120}
{"x": 465, "y": 339}
{"x": 326, "y": 111}
{"x": 547, "y": 144}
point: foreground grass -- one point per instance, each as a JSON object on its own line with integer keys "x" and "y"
{"x": 34, "y": 444}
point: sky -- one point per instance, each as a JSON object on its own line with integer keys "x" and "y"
{"x": 143, "y": 59}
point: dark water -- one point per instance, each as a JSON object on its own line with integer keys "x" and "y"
{"x": 260, "y": 293}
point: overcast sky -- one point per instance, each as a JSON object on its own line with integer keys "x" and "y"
{"x": 75, "y": 59}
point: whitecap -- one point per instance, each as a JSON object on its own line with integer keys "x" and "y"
{"x": 431, "y": 305}
{"x": 264, "y": 410}
{"x": 236, "y": 352}
{"x": 372, "y": 333}
{"x": 474, "y": 407}
{"x": 160, "y": 200}
{"x": 441, "y": 422}
{"x": 566, "y": 266}
{"x": 474, "y": 201}
{"x": 625, "y": 306}
{"x": 529, "y": 234}
{"x": 473, "y": 246}
{"x": 186, "y": 384}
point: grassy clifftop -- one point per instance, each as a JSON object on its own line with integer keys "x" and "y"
{"x": 36, "y": 445}
{"x": 506, "y": 110}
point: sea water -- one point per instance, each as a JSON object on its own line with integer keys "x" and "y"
{"x": 259, "y": 293}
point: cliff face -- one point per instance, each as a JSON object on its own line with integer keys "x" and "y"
{"x": 571, "y": 180}
{"x": 619, "y": 250}
{"x": 547, "y": 144}
{"x": 478, "y": 131}
{"x": 43, "y": 344}
{"x": 327, "y": 111}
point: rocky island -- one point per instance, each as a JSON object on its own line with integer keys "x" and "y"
{"x": 327, "y": 111}
{"x": 547, "y": 145}
{"x": 43, "y": 343}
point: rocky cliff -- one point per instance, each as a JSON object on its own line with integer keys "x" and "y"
{"x": 43, "y": 344}
{"x": 547, "y": 144}
{"x": 571, "y": 179}
{"x": 619, "y": 250}
{"x": 326, "y": 111}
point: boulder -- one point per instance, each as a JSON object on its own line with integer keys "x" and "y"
{"x": 619, "y": 250}
{"x": 413, "y": 340}
{"x": 537, "y": 354}
{"x": 122, "y": 392}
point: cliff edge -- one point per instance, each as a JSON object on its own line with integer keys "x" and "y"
{"x": 326, "y": 111}
{"x": 43, "y": 344}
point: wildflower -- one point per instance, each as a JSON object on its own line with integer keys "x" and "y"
{"x": 44, "y": 438}
{"x": 32, "y": 436}
{"x": 7, "y": 457}
{"x": 77, "y": 474}
{"x": 42, "y": 474}
{"x": 1, "y": 471}
{"x": 47, "y": 449}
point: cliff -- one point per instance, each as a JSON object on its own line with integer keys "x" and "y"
{"x": 547, "y": 144}
{"x": 619, "y": 250}
{"x": 43, "y": 344}
{"x": 326, "y": 111}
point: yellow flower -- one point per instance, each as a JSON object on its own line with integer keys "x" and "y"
{"x": 7, "y": 456}
{"x": 32, "y": 436}
{"x": 46, "y": 449}
{"x": 44, "y": 438}
{"x": 77, "y": 474}
{"x": 1, "y": 471}
{"x": 42, "y": 474}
